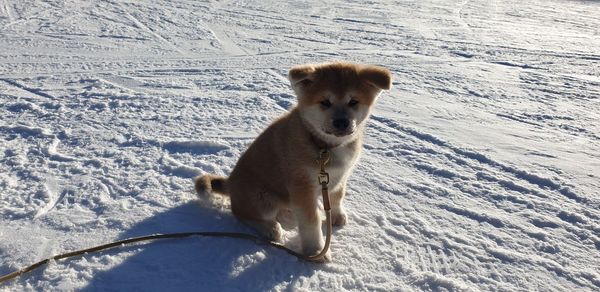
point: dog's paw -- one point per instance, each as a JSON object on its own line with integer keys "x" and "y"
{"x": 313, "y": 247}
{"x": 270, "y": 230}
{"x": 275, "y": 233}
{"x": 326, "y": 257}
{"x": 339, "y": 218}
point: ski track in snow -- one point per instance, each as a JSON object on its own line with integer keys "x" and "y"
{"x": 480, "y": 170}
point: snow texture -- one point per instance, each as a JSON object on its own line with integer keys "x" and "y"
{"x": 481, "y": 167}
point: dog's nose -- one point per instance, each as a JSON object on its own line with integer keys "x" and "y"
{"x": 341, "y": 124}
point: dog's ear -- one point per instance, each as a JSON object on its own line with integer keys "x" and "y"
{"x": 301, "y": 75}
{"x": 377, "y": 76}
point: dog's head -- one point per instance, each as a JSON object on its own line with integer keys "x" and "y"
{"x": 334, "y": 99}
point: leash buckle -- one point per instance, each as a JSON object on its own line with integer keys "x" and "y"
{"x": 323, "y": 178}
{"x": 323, "y": 160}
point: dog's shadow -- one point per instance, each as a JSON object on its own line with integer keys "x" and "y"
{"x": 197, "y": 263}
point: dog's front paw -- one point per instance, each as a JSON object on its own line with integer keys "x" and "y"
{"x": 338, "y": 218}
{"x": 325, "y": 259}
{"x": 314, "y": 250}
{"x": 313, "y": 247}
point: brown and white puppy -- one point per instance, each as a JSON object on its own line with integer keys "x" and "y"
{"x": 279, "y": 170}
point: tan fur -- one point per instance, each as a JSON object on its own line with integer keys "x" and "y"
{"x": 279, "y": 169}
{"x": 207, "y": 184}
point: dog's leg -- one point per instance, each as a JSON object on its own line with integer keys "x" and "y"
{"x": 309, "y": 225}
{"x": 309, "y": 229}
{"x": 338, "y": 213}
{"x": 259, "y": 214}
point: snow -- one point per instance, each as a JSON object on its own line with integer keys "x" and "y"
{"x": 480, "y": 171}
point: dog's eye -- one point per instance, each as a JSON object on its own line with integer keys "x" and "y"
{"x": 353, "y": 103}
{"x": 326, "y": 103}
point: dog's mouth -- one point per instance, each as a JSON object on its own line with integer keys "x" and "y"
{"x": 340, "y": 133}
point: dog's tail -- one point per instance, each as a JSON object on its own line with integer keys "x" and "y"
{"x": 208, "y": 184}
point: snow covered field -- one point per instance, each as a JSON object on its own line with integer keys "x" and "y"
{"x": 481, "y": 168}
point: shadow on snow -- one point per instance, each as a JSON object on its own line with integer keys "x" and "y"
{"x": 198, "y": 263}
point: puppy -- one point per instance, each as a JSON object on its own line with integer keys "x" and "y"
{"x": 279, "y": 170}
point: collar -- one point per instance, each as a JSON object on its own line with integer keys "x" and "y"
{"x": 322, "y": 145}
